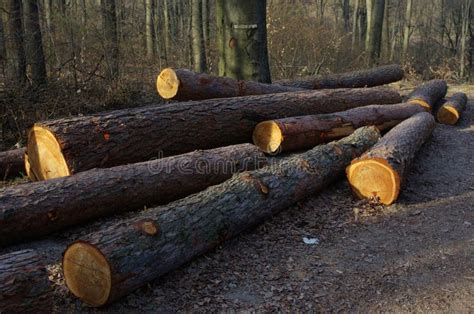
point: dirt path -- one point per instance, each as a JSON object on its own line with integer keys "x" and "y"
{"x": 417, "y": 255}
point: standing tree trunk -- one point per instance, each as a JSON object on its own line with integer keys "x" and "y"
{"x": 166, "y": 27}
{"x": 34, "y": 43}
{"x": 346, "y": 15}
{"x": 242, "y": 32}
{"x": 465, "y": 38}
{"x": 369, "y": 5}
{"x": 197, "y": 37}
{"x": 149, "y": 28}
{"x": 205, "y": 22}
{"x": 374, "y": 30}
{"x": 3, "y": 47}
{"x": 386, "y": 31}
{"x": 109, "y": 17}
{"x": 355, "y": 23}
{"x": 17, "y": 48}
{"x": 407, "y": 29}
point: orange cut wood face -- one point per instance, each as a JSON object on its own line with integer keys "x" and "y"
{"x": 45, "y": 158}
{"x": 448, "y": 115}
{"x": 374, "y": 178}
{"x": 87, "y": 273}
{"x": 268, "y": 136}
{"x": 420, "y": 102}
{"x": 167, "y": 83}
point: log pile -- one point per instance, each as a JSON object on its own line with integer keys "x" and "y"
{"x": 184, "y": 202}
{"x": 11, "y": 163}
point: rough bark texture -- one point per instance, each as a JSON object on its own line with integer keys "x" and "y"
{"x": 134, "y": 135}
{"x": 133, "y": 253}
{"x": 394, "y": 154}
{"x": 298, "y": 133}
{"x": 182, "y": 84}
{"x": 15, "y": 25}
{"x": 35, "y": 209}
{"x": 34, "y": 43}
{"x": 12, "y": 163}
{"x": 197, "y": 37}
{"x": 452, "y": 109}
{"x": 428, "y": 94}
{"x": 365, "y": 78}
{"x": 24, "y": 283}
{"x": 242, "y": 39}
{"x": 374, "y": 31}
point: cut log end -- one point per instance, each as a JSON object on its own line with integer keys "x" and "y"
{"x": 87, "y": 273}
{"x": 45, "y": 157}
{"x": 420, "y": 102}
{"x": 167, "y": 83}
{"x": 448, "y": 115}
{"x": 374, "y": 178}
{"x": 29, "y": 173}
{"x": 267, "y": 136}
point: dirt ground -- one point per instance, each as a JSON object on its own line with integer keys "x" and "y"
{"x": 414, "y": 256}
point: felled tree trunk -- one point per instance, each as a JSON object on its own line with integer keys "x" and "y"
{"x": 24, "y": 283}
{"x": 35, "y": 209}
{"x": 119, "y": 258}
{"x": 428, "y": 94}
{"x": 380, "y": 172}
{"x": 451, "y": 110}
{"x": 12, "y": 163}
{"x": 298, "y": 133}
{"x": 62, "y": 147}
{"x": 364, "y": 78}
{"x": 182, "y": 84}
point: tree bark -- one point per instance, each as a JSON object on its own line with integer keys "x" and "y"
{"x": 24, "y": 283}
{"x": 109, "y": 16}
{"x": 380, "y": 172}
{"x": 428, "y": 94}
{"x": 452, "y": 109}
{"x": 12, "y": 163}
{"x": 407, "y": 29}
{"x": 149, "y": 29}
{"x": 465, "y": 37}
{"x": 17, "y": 47}
{"x": 66, "y": 146}
{"x": 197, "y": 37}
{"x": 364, "y": 78}
{"x": 305, "y": 132}
{"x": 164, "y": 238}
{"x": 355, "y": 24}
{"x": 374, "y": 31}
{"x": 182, "y": 84}
{"x": 241, "y": 26}
{"x": 35, "y": 209}
{"x": 34, "y": 42}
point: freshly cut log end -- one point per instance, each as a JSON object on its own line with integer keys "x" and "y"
{"x": 45, "y": 156}
{"x": 167, "y": 83}
{"x": 428, "y": 94}
{"x": 452, "y": 109}
{"x": 374, "y": 178}
{"x": 268, "y": 136}
{"x": 87, "y": 273}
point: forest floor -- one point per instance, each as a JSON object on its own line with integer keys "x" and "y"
{"x": 413, "y": 256}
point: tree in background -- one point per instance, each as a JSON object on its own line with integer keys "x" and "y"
{"x": 374, "y": 29}
{"x": 149, "y": 29}
{"x": 111, "y": 45}
{"x": 407, "y": 30}
{"x": 17, "y": 50}
{"x": 197, "y": 37}
{"x": 242, "y": 39}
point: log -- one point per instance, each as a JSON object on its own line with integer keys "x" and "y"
{"x": 66, "y": 146}
{"x": 379, "y": 173}
{"x": 24, "y": 283}
{"x": 428, "y": 94}
{"x": 364, "y": 78}
{"x": 451, "y": 110}
{"x": 35, "y": 209}
{"x": 304, "y": 132}
{"x": 121, "y": 257}
{"x": 11, "y": 163}
{"x": 182, "y": 84}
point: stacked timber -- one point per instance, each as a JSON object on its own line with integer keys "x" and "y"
{"x": 428, "y": 94}
{"x": 121, "y": 257}
{"x": 11, "y": 163}
{"x": 24, "y": 283}
{"x": 35, "y": 209}
{"x": 380, "y": 172}
{"x": 452, "y": 108}
{"x": 365, "y": 78}
{"x": 182, "y": 84}
{"x": 304, "y": 132}
{"x": 63, "y": 147}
